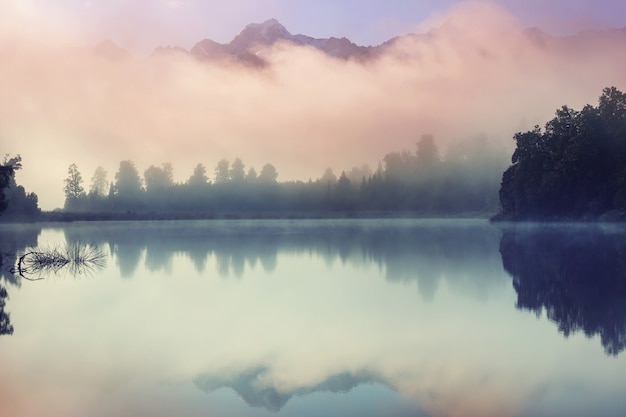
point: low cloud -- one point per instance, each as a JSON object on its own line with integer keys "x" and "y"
{"x": 474, "y": 71}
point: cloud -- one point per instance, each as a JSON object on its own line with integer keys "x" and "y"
{"x": 475, "y": 71}
{"x": 174, "y": 4}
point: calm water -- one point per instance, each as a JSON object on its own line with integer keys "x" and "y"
{"x": 319, "y": 318}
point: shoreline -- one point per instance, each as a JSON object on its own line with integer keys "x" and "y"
{"x": 68, "y": 217}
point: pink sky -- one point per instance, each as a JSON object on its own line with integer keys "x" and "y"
{"x": 62, "y": 105}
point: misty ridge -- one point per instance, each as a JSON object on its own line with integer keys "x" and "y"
{"x": 304, "y": 104}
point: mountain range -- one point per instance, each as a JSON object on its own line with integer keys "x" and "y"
{"x": 250, "y": 45}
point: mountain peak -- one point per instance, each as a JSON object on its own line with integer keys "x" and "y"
{"x": 268, "y": 24}
{"x": 248, "y": 46}
{"x": 271, "y": 22}
{"x": 267, "y": 32}
{"x": 110, "y": 50}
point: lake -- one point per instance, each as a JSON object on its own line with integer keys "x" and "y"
{"x": 397, "y": 317}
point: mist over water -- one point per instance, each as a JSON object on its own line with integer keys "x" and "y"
{"x": 474, "y": 72}
{"x": 287, "y": 318}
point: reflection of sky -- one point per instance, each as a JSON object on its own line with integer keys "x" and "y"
{"x": 87, "y": 344}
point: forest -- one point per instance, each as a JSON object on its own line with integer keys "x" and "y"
{"x": 572, "y": 169}
{"x": 421, "y": 182}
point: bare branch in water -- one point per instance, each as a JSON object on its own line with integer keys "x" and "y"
{"x": 77, "y": 258}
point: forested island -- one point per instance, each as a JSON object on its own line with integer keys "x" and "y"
{"x": 572, "y": 169}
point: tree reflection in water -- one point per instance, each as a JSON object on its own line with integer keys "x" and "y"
{"x": 577, "y": 274}
{"x": 409, "y": 251}
{"x": 13, "y": 240}
{"x": 21, "y": 259}
{"x": 5, "y": 320}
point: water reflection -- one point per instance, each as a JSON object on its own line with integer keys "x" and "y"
{"x": 14, "y": 239}
{"x": 276, "y": 317}
{"x": 248, "y": 385}
{"x": 22, "y": 259}
{"x": 74, "y": 259}
{"x": 422, "y": 252}
{"x": 576, "y": 274}
{"x": 5, "y": 318}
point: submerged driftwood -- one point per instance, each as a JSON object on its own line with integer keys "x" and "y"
{"x": 74, "y": 258}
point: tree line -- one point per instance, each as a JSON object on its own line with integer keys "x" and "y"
{"x": 572, "y": 169}
{"x": 465, "y": 180}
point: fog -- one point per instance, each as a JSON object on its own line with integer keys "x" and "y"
{"x": 475, "y": 72}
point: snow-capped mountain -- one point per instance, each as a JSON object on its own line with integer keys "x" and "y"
{"x": 256, "y": 37}
{"x": 249, "y": 45}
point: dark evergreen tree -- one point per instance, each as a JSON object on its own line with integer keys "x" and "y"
{"x": 427, "y": 151}
{"x": 75, "y": 196}
{"x": 99, "y": 183}
{"x": 7, "y": 171}
{"x": 15, "y": 202}
{"x": 222, "y": 171}
{"x": 199, "y": 177}
{"x": 158, "y": 179}
{"x": 251, "y": 176}
{"x": 128, "y": 193}
{"x": 237, "y": 171}
{"x": 268, "y": 174}
{"x": 127, "y": 180}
